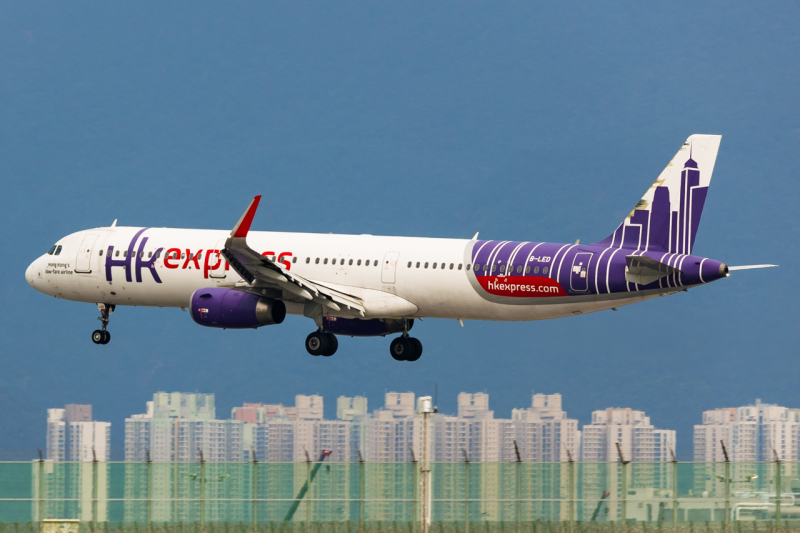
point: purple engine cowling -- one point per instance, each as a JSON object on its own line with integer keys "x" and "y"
{"x": 215, "y": 307}
{"x": 355, "y": 327}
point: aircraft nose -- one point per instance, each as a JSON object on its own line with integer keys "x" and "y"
{"x": 30, "y": 273}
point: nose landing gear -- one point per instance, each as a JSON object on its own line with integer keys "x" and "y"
{"x": 102, "y": 336}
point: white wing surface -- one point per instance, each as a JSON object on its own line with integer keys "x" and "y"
{"x": 261, "y": 271}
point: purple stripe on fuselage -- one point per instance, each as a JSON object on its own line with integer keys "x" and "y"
{"x": 605, "y": 268}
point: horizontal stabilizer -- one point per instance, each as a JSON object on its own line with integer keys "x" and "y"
{"x": 643, "y": 270}
{"x": 749, "y": 267}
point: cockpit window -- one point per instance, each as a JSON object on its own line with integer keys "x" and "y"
{"x": 58, "y": 250}
{"x": 51, "y": 250}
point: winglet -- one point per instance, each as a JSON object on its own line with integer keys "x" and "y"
{"x": 243, "y": 226}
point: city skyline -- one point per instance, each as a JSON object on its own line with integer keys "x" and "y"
{"x": 542, "y": 432}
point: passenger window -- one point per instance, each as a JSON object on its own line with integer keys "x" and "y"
{"x": 58, "y": 250}
{"x": 544, "y": 270}
{"x": 494, "y": 267}
{"x": 527, "y": 270}
{"x": 409, "y": 264}
{"x": 358, "y": 263}
{"x": 375, "y": 262}
{"x": 434, "y": 266}
{"x": 325, "y": 261}
{"x": 101, "y": 253}
{"x": 149, "y": 254}
{"x": 519, "y": 270}
{"x": 316, "y": 262}
{"x": 426, "y": 265}
{"x": 444, "y": 265}
{"x": 52, "y": 250}
{"x": 116, "y": 254}
{"x": 459, "y": 266}
{"x": 350, "y": 262}
{"x": 451, "y": 266}
{"x": 417, "y": 264}
{"x": 308, "y": 260}
{"x": 367, "y": 263}
{"x": 467, "y": 266}
{"x": 535, "y": 270}
{"x": 125, "y": 253}
{"x": 503, "y": 269}
{"x": 294, "y": 260}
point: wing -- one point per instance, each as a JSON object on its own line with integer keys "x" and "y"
{"x": 260, "y": 271}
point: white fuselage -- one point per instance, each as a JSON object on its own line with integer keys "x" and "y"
{"x": 372, "y": 268}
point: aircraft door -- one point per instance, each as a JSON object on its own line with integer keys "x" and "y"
{"x": 83, "y": 261}
{"x": 389, "y": 267}
{"x": 219, "y": 272}
{"x": 579, "y": 275}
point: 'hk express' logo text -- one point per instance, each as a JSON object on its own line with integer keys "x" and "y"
{"x": 139, "y": 262}
{"x": 134, "y": 261}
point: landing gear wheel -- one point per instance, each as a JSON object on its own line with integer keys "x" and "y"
{"x": 333, "y": 344}
{"x": 417, "y": 349}
{"x": 102, "y": 336}
{"x": 401, "y": 348}
{"x": 317, "y": 343}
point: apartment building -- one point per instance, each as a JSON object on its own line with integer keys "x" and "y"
{"x": 638, "y": 440}
{"x": 751, "y": 433}
{"x": 72, "y": 435}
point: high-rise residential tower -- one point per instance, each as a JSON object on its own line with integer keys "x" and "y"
{"x": 72, "y": 435}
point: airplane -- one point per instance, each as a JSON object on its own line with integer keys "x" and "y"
{"x": 365, "y": 285}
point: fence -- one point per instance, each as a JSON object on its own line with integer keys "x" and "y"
{"x": 479, "y": 494}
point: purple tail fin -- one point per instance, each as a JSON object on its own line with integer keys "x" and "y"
{"x": 667, "y": 216}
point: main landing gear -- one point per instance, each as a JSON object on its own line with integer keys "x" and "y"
{"x": 321, "y": 343}
{"x": 405, "y": 348}
{"x": 101, "y": 336}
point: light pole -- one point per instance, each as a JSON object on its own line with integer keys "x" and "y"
{"x": 624, "y": 464}
{"x": 425, "y": 408}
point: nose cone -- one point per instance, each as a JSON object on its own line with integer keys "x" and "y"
{"x": 31, "y": 273}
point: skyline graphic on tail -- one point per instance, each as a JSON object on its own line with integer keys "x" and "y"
{"x": 668, "y": 215}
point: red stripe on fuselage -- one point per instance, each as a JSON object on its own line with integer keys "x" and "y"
{"x": 521, "y": 286}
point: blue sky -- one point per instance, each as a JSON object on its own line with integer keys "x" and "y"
{"x": 529, "y": 121}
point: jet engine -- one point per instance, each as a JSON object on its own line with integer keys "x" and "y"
{"x": 355, "y": 327}
{"x": 215, "y": 307}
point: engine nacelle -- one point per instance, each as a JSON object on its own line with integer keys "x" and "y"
{"x": 215, "y": 307}
{"x": 355, "y": 327}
